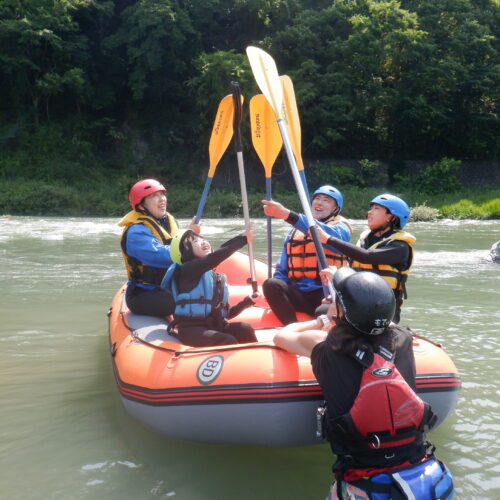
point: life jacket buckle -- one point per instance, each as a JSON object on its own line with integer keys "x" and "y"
{"x": 376, "y": 445}
{"x": 320, "y": 417}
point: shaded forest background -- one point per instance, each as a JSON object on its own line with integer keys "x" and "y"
{"x": 97, "y": 93}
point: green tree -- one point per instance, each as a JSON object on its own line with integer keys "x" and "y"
{"x": 226, "y": 25}
{"x": 159, "y": 42}
{"x": 43, "y": 54}
{"x": 395, "y": 81}
{"x": 456, "y": 91}
{"x": 214, "y": 73}
{"x": 347, "y": 60}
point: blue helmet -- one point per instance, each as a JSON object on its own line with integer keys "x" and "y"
{"x": 395, "y": 205}
{"x": 332, "y": 192}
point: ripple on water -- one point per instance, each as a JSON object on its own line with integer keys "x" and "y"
{"x": 61, "y": 274}
{"x": 57, "y": 228}
{"x": 109, "y": 464}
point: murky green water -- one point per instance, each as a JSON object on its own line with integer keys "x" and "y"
{"x": 65, "y": 435}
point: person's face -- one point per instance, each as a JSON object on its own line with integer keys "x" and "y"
{"x": 200, "y": 247}
{"x": 378, "y": 216}
{"x": 155, "y": 204}
{"x": 322, "y": 206}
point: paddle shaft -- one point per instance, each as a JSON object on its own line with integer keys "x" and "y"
{"x": 304, "y": 201}
{"x": 269, "y": 231}
{"x": 268, "y": 80}
{"x": 267, "y": 141}
{"x": 203, "y": 200}
{"x": 241, "y": 170}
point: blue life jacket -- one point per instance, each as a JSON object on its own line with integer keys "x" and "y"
{"x": 427, "y": 480}
{"x": 208, "y": 298}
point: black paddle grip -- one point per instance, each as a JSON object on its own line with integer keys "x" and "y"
{"x": 235, "y": 91}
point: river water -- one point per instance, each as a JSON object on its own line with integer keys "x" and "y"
{"x": 65, "y": 435}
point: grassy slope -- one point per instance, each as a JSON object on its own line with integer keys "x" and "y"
{"x": 109, "y": 198}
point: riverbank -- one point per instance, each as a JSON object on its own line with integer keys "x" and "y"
{"x": 108, "y": 198}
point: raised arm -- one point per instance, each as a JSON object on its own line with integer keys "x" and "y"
{"x": 394, "y": 253}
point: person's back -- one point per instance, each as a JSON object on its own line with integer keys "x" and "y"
{"x": 374, "y": 420}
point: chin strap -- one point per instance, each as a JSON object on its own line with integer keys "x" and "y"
{"x": 332, "y": 214}
{"x": 163, "y": 221}
{"x": 383, "y": 227}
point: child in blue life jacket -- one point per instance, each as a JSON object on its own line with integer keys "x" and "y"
{"x": 372, "y": 417}
{"x": 201, "y": 294}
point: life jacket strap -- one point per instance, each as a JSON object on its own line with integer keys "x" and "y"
{"x": 201, "y": 300}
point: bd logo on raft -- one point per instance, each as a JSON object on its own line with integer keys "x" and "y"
{"x": 209, "y": 370}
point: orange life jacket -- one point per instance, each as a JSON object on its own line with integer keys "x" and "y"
{"x": 301, "y": 252}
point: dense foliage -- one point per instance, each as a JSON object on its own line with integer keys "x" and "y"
{"x": 115, "y": 89}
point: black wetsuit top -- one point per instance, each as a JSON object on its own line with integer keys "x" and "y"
{"x": 395, "y": 253}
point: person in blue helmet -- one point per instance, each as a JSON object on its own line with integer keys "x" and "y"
{"x": 384, "y": 248}
{"x": 296, "y": 285}
{"x": 372, "y": 417}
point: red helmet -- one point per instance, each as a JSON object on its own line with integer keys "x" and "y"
{"x": 144, "y": 188}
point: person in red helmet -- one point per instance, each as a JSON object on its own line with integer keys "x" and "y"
{"x": 145, "y": 244}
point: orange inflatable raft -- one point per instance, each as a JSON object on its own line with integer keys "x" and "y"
{"x": 243, "y": 394}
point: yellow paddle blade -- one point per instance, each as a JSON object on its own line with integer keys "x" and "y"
{"x": 266, "y": 136}
{"x": 291, "y": 119}
{"x": 266, "y": 75}
{"x": 222, "y": 132}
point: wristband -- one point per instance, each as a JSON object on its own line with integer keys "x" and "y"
{"x": 324, "y": 319}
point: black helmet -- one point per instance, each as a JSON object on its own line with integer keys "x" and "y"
{"x": 341, "y": 274}
{"x": 367, "y": 300}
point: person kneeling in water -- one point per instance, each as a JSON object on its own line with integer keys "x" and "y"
{"x": 373, "y": 418}
{"x": 201, "y": 294}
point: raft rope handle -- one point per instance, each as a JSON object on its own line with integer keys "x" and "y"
{"x": 437, "y": 344}
{"x": 135, "y": 335}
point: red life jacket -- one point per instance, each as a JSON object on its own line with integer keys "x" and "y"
{"x": 384, "y": 427}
